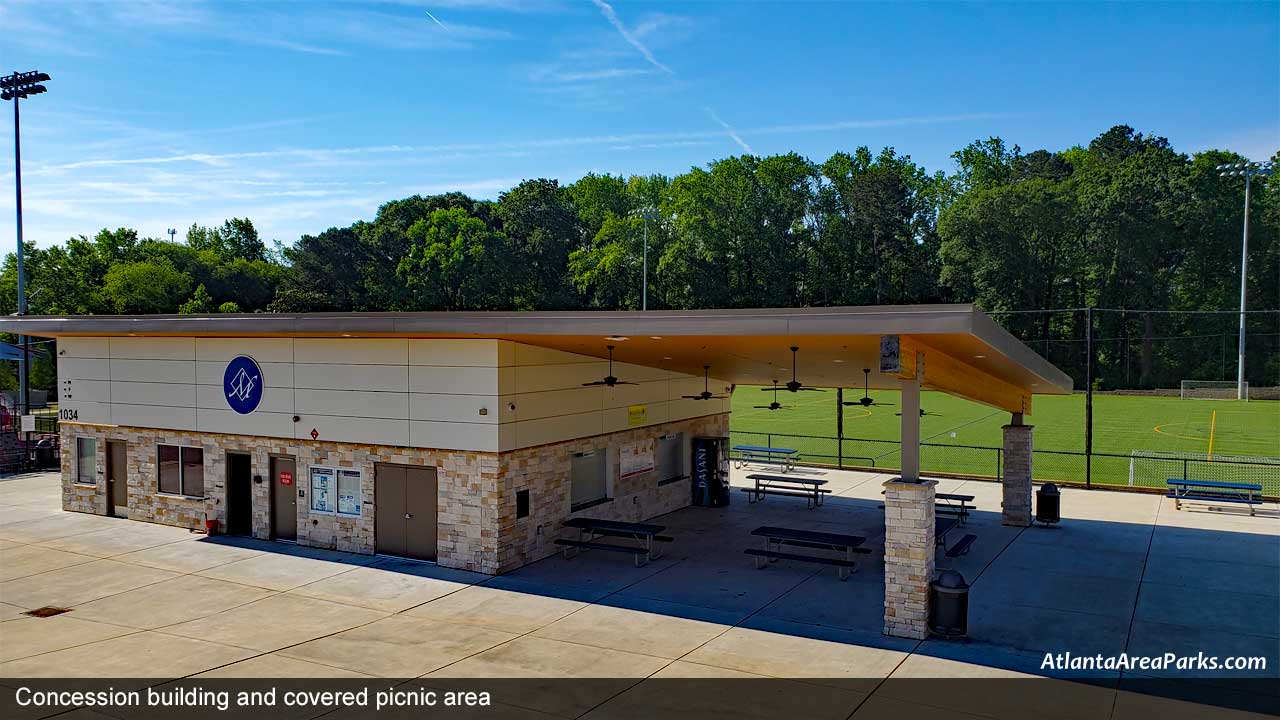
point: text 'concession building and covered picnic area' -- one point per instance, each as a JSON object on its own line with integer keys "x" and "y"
{"x": 471, "y": 439}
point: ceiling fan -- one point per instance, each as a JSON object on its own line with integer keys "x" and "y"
{"x": 775, "y": 405}
{"x": 609, "y": 380}
{"x": 706, "y": 387}
{"x": 795, "y": 385}
{"x": 865, "y": 400}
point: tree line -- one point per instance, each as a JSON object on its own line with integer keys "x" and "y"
{"x": 1122, "y": 222}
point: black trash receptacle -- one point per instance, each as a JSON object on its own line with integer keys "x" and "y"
{"x": 949, "y": 605}
{"x": 46, "y": 453}
{"x": 1048, "y": 504}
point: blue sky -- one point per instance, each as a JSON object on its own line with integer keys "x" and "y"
{"x": 306, "y": 115}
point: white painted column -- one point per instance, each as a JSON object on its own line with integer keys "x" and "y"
{"x": 911, "y": 429}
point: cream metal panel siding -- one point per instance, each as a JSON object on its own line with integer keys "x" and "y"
{"x": 539, "y": 378}
{"x": 168, "y": 418}
{"x": 379, "y": 378}
{"x": 262, "y": 350}
{"x": 454, "y": 380}
{"x": 274, "y": 374}
{"x": 84, "y": 347}
{"x": 351, "y": 403}
{"x": 258, "y": 422}
{"x": 351, "y": 351}
{"x": 153, "y": 348}
{"x": 98, "y": 413}
{"x": 274, "y": 399}
{"x": 454, "y": 353}
{"x": 157, "y": 371}
{"x": 84, "y": 368}
{"x": 152, "y": 393}
{"x": 557, "y": 429}
{"x": 83, "y": 391}
{"x": 551, "y": 403}
{"x": 453, "y": 435}
{"x": 453, "y": 408}
{"x": 379, "y": 431}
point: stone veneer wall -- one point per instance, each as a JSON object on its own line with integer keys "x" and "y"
{"x": 908, "y": 556}
{"x": 544, "y": 471}
{"x": 1015, "y": 508}
{"x": 467, "y": 495}
{"x": 476, "y": 524}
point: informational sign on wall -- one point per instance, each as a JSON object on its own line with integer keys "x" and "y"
{"x": 635, "y": 458}
{"x": 890, "y": 355}
{"x": 637, "y": 414}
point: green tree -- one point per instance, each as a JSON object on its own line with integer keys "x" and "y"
{"x": 142, "y": 288}
{"x": 451, "y": 261}
{"x": 200, "y": 302}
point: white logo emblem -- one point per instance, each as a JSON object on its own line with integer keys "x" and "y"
{"x": 242, "y": 385}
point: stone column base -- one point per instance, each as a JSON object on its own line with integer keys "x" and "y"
{"x": 1016, "y": 476}
{"x": 908, "y": 556}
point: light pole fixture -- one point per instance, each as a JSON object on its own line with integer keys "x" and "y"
{"x": 21, "y": 85}
{"x": 648, "y": 213}
{"x": 1247, "y": 170}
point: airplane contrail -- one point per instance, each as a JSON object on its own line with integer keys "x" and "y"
{"x": 437, "y": 21}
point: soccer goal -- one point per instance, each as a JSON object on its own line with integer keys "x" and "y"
{"x": 1211, "y": 390}
{"x": 1152, "y": 468}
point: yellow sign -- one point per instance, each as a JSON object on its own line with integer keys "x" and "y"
{"x": 637, "y": 414}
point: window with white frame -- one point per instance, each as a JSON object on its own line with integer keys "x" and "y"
{"x": 335, "y": 490}
{"x": 180, "y": 470}
{"x": 87, "y": 460}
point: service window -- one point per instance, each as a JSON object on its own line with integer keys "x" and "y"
{"x": 348, "y": 492}
{"x": 323, "y": 489}
{"x": 181, "y": 470}
{"x": 86, "y": 460}
{"x": 588, "y": 480}
{"x": 670, "y": 457}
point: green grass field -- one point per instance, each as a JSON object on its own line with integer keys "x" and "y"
{"x": 954, "y": 429}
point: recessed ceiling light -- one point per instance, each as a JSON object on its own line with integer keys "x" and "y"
{"x": 345, "y": 335}
{"x": 655, "y": 337}
{"x": 666, "y": 358}
{"x": 616, "y": 338}
{"x": 978, "y": 357}
{"x": 837, "y": 361}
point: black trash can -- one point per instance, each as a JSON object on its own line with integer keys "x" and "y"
{"x": 949, "y": 605}
{"x": 46, "y": 453}
{"x": 1048, "y": 504}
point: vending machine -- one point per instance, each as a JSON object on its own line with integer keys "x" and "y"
{"x": 710, "y": 466}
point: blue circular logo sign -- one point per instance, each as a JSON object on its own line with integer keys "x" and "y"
{"x": 242, "y": 384}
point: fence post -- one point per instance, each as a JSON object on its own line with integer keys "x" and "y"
{"x": 840, "y": 428}
{"x": 1184, "y": 468}
{"x": 1088, "y": 398}
{"x": 999, "y": 462}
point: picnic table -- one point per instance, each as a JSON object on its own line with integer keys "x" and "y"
{"x": 776, "y": 537}
{"x": 1211, "y": 491}
{"x": 792, "y": 486}
{"x": 942, "y": 526}
{"x": 784, "y": 457}
{"x": 954, "y": 505}
{"x": 590, "y": 530}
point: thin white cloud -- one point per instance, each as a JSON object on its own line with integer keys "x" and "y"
{"x": 733, "y": 134}
{"x": 436, "y": 20}
{"x": 607, "y": 10}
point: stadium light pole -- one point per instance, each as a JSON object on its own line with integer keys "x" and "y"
{"x": 14, "y": 87}
{"x": 648, "y": 213}
{"x": 1247, "y": 170}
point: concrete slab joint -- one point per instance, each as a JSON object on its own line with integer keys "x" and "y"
{"x": 1016, "y": 475}
{"x": 908, "y": 556}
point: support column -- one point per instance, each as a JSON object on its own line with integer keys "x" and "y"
{"x": 908, "y": 556}
{"x": 911, "y": 429}
{"x": 1016, "y": 474}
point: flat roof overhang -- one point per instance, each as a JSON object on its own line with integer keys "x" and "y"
{"x": 964, "y": 352}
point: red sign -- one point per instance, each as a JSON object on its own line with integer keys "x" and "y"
{"x": 314, "y": 433}
{"x": 286, "y": 478}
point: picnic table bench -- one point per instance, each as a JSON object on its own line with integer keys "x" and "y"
{"x": 589, "y": 530}
{"x": 949, "y": 507}
{"x": 785, "y": 457}
{"x": 809, "y": 488}
{"x": 779, "y": 536}
{"x": 1211, "y": 491}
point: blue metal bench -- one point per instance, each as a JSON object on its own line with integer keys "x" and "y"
{"x": 1213, "y": 491}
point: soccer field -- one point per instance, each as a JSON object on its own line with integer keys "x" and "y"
{"x": 955, "y": 429}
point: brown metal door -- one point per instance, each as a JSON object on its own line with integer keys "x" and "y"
{"x": 284, "y": 498}
{"x": 117, "y": 478}
{"x": 390, "y": 510}
{"x": 420, "y": 513}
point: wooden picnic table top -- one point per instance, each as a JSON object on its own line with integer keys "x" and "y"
{"x": 764, "y": 449}
{"x": 834, "y": 539}
{"x": 952, "y": 496}
{"x": 614, "y": 525}
{"x": 786, "y": 479}
{"x": 1213, "y": 484}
